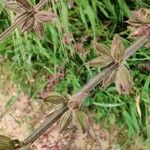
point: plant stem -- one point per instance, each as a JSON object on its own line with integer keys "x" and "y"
{"x": 86, "y": 89}
{"x": 97, "y": 79}
{"x": 10, "y": 29}
{"x": 135, "y": 46}
{"x": 45, "y": 125}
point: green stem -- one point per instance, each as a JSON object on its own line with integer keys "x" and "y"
{"x": 86, "y": 89}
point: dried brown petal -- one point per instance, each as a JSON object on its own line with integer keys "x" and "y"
{"x": 27, "y": 25}
{"x": 117, "y": 48}
{"x": 100, "y": 61}
{"x": 39, "y": 29}
{"x": 45, "y": 16}
{"x": 65, "y": 120}
{"x": 109, "y": 78}
{"x": 102, "y": 49}
{"x": 55, "y": 98}
{"x": 24, "y": 4}
{"x": 123, "y": 80}
{"x": 13, "y": 6}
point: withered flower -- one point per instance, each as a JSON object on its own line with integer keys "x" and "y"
{"x": 121, "y": 75}
{"x": 140, "y": 20}
{"x": 34, "y": 18}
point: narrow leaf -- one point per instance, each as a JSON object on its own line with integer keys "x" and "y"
{"x": 100, "y": 61}
{"x": 65, "y": 120}
{"x": 108, "y": 79}
{"x": 24, "y": 3}
{"x": 102, "y": 49}
{"x": 28, "y": 24}
{"x": 22, "y": 15}
{"x": 13, "y": 6}
{"x": 55, "y": 98}
{"x": 81, "y": 117}
{"x": 39, "y": 29}
{"x": 117, "y": 48}
{"x": 45, "y": 16}
{"x": 123, "y": 80}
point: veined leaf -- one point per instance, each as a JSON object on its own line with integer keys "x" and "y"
{"x": 55, "y": 98}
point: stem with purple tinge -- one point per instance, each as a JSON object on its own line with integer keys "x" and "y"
{"x": 86, "y": 89}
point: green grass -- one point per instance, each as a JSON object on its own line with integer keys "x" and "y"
{"x": 29, "y": 59}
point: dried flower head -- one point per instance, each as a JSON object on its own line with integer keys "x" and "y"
{"x": 140, "y": 20}
{"x": 107, "y": 56}
{"x": 31, "y": 16}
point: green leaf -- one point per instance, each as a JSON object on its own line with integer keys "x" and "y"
{"x": 55, "y": 98}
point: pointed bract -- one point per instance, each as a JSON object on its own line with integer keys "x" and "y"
{"x": 65, "y": 120}
{"x": 117, "y": 48}
{"x": 39, "y": 29}
{"x": 24, "y": 3}
{"x": 110, "y": 78}
{"x": 100, "y": 61}
{"x": 82, "y": 118}
{"x": 45, "y": 16}
{"x": 102, "y": 49}
{"x": 19, "y": 16}
{"x": 13, "y": 6}
{"x": 27, "y": 25}
{"x": 123, "y": 80}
